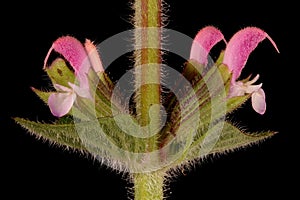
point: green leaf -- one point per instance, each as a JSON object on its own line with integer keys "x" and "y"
{"x": 101, "y": 138}
{"x": 236, "y": 102}
{"x": 233, "y": 138}
{"x": 226, "y": 76}
{"x": 102, "y": 102}
{"x": 193, "y": 71}
{"x": 106, "y": 80}
{"x": 211, "y": 91}
{"x": 210, "y": 100}
{"x": 60, "y": 134}
{"x": 224, "y": 137}
{"x": 60, "y": 73}
{"x": 43, "y": 95}
{"x": 219, "y": 61}
{"x": 77, "y": 134}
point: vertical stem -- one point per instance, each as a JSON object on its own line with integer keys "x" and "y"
{"x": 148, "y": 59}
{"x": 148, "y": 186}
{"x": 147, "y": 21}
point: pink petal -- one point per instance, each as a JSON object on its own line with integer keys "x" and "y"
{"x": 204, "y": 41}
{"x": 240, "y": 46}
{"x": 81, "y": 91}
{"x": 93, "y": 56}
{"x": 258, "y": 99}
{"x": 72, "y": 50}
{"x": 62, "y": 88}
{"x": 61, "y": 103}
{"x": 236, "y": 89}
{"x": 252, "y": 88}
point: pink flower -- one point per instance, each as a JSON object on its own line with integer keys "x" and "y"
{"x": 82, "y": 59}
{"x": 204, "y": 41}
{"x": 236, "y": 55}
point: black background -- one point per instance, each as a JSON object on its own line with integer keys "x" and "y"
{"x": 34, "y": 169}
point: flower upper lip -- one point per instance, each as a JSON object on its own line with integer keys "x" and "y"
{"x": 204, "y": 41}
{"x": 240, "y": 47}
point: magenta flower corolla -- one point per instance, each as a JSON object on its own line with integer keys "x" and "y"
{"x": 235, "y": 58}
{"x": 204, "y": 41}
{"x": 82, "y": 59}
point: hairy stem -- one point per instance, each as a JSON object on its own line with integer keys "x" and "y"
{"x": 148, "y": 186}
{"x": 148, "y": 58}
